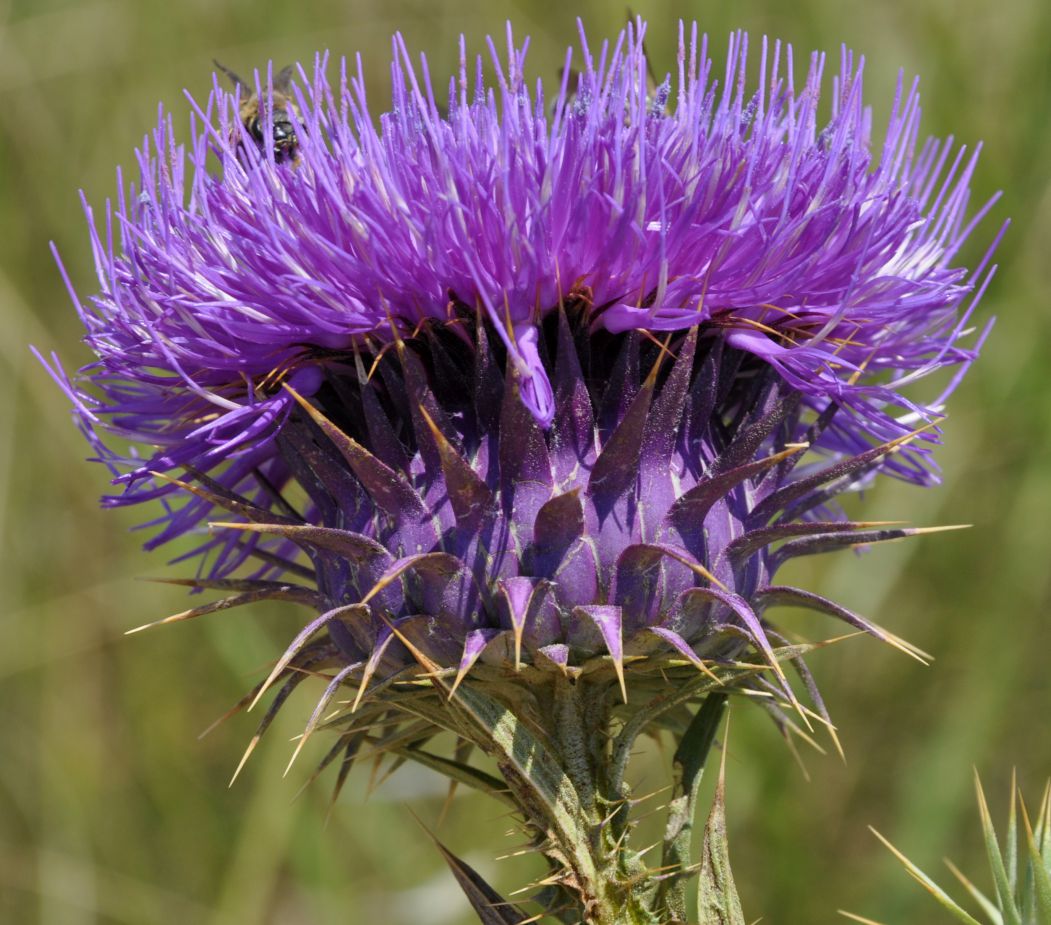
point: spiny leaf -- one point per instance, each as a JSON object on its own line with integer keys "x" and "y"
{"x": 742, "y": 548}
{"x": 350, "y": 753}
{"x": 1011, "y": 859}
{"x": 227, "y": 584}
{"x": 1043, "y": 825}
{"x": 857, "y": 918}
{"x": 689, "y": 761}
{"x": 621, "y": 383}
{"x": 282, "y": 563}
{"x": 421, "y": 402}
{"x": 437, "y": 563}
{"x": 943, "y": 898}
{"x": 300, "y": 641}
{"x": 1041, "y": 879}
{"x": 988, "y": 906}
{"x": 311, "y": 656}
{"x": 491, "y": 907}
{"x": 382, "y": 439}
{"x": 749, "y": 438}
{"x": 319, "y": 708}
{"x": 459, "y": 772}
{"x": 609, "y": 622}
{"x": 527, "y": 764}
{"x": 717, "y": 900}
{"x": 829, "y": 542}
{"x": 996, "y": 862}
{"x": 572, "y": 431}
{"x": 286, "y": 689}
{"x": 728, "y": 675}
{"x": 330, "y": 756}
{"x": 788, "y": 596}
{"x": 664, "y": 422}
{"x": 461, "y": 755}
{"x": 558, "y": 523}
{"x": 799, "y": 496}
{"x": 524, "y": 460}
{"x": 752, "y": 625}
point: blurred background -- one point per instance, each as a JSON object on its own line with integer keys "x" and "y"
{"x": 111, "y": 809}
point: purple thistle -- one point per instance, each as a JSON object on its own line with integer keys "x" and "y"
{"x": 734, "y": 213}
{"x": 561, "y": 389}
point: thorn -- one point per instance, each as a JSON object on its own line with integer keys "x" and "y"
{"x": 460, "y": 675}
{"x": 618, "y": 667}
{"x": 234, "y": 710}
{"x": 695, "y": 567}
{"x": 295, "y": 753}
{"x": 858, "y": 918}
{"x": 433, "y": 669}
{"x": 918, "y": 531}
{"x": 365, "y": 678}
{"x": 244, "y": 758}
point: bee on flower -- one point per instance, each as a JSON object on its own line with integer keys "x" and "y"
{"x": 268, "y": 119}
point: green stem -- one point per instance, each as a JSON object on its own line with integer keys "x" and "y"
{"x": 613, "y": 895}
{"x": 574, "y": 743}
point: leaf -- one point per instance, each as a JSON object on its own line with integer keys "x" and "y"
{"x": 717, "y": 900}
{"x": 831, "y": 542}
{"x": 525, "y": 761}
{"x": 491, "y": 907}
{"x": 1011, "y": 859}
{"x": 1041, "y": 880}
{"x": 744, "y": 547}
{"x": 353, "y": 546}
{"x": 996, "y": 862}
{"x": 785, "y": 595}
{"x": 689, "y": 761}
{"x": 987, "y": 905}
{"x": 943, "y": 898}
{"x": 662, "y": 426}
{"x": 766, "y": 418}
{"x": 670, "y": 699}
{"x": 558, "y": 523}
{"x": 220, "y": 496}
{"x": 458, "y": 772}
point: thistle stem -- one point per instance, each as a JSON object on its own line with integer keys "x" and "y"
{"x": 614, "y": 893}
{"x": 573, "y": 742}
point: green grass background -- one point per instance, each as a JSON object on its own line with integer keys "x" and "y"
{"x": 112, "y": 811}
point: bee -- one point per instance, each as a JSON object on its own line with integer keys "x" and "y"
{"x": 284, "y": 140}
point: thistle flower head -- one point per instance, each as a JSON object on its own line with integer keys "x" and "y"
{"x": 710, "y": 203}
{"x": 522, "y": 389}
